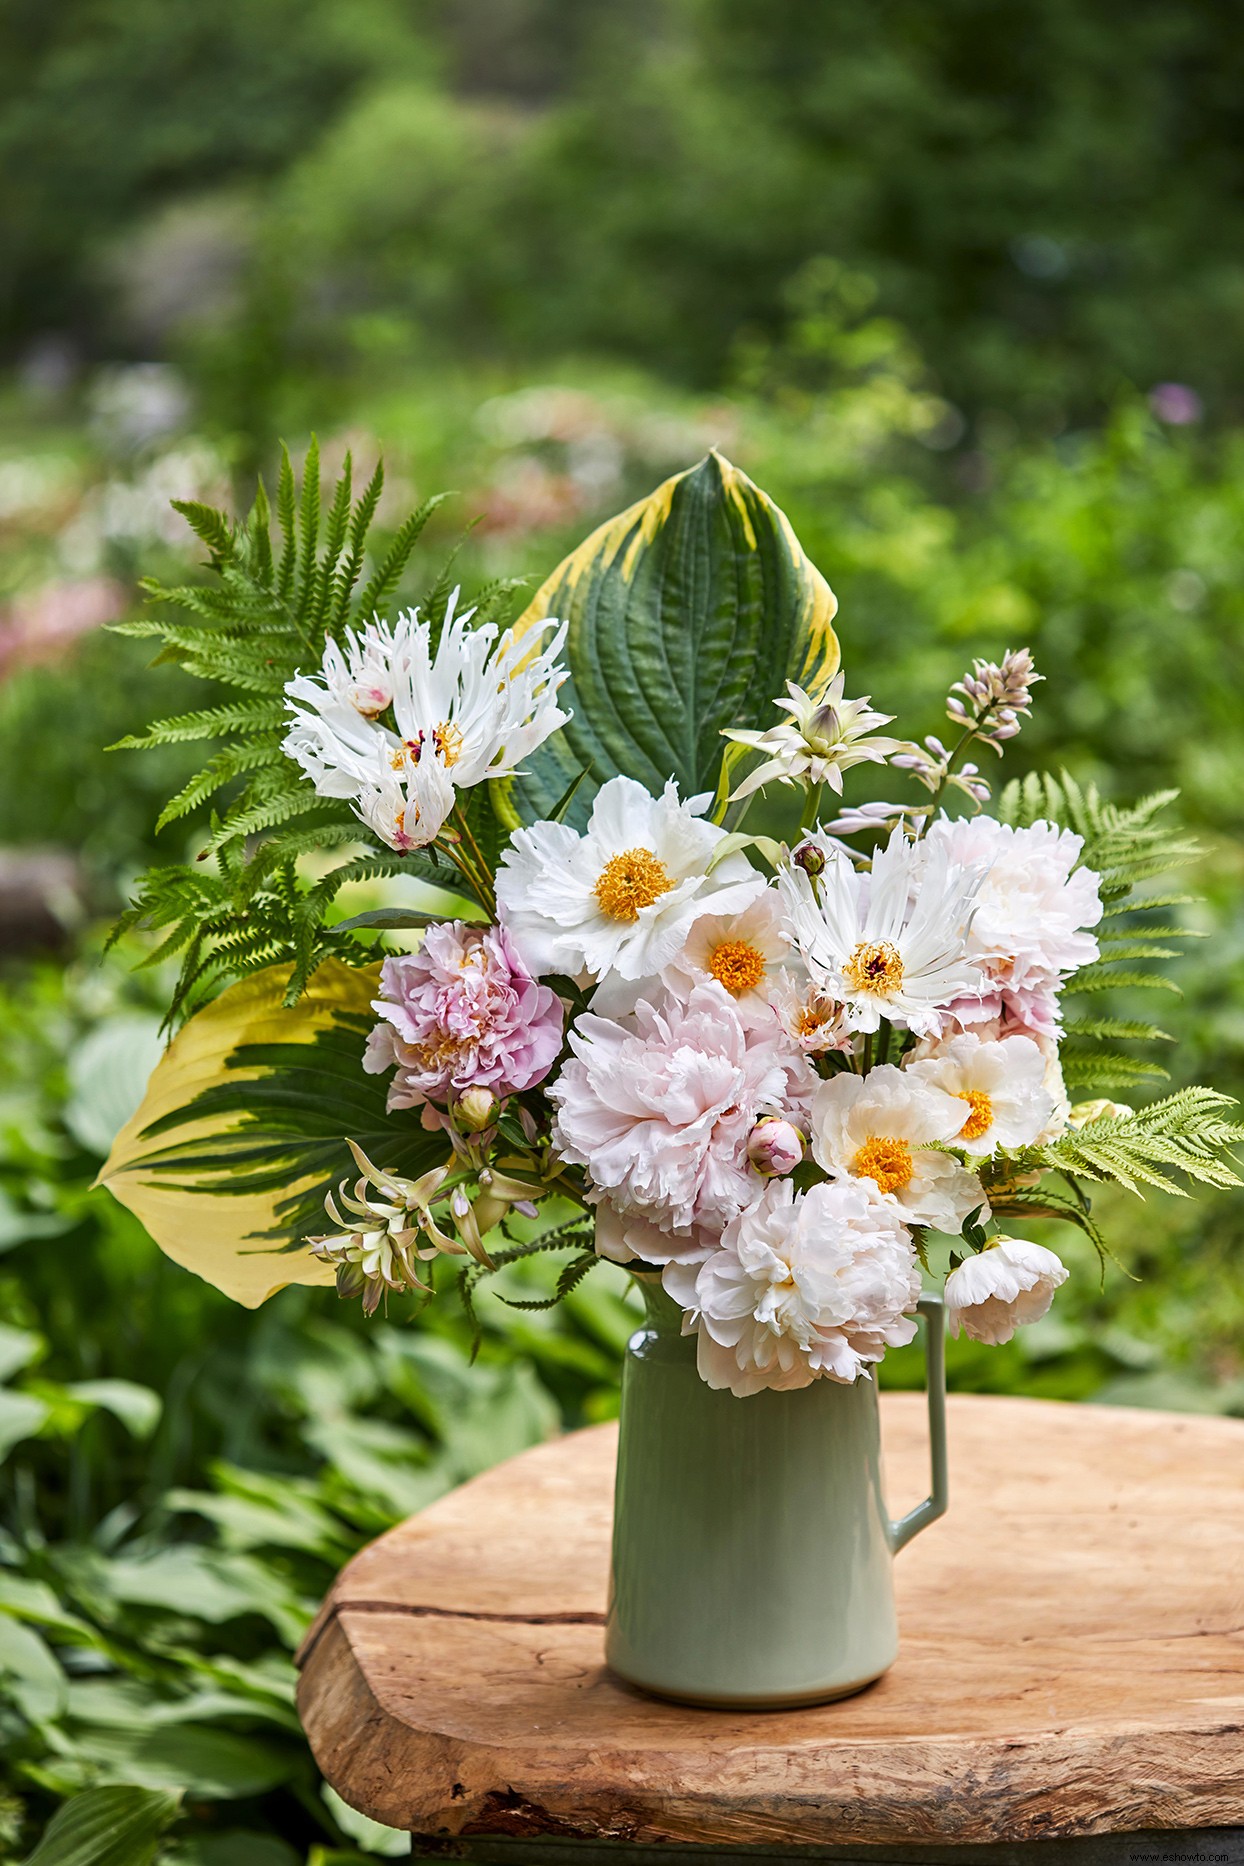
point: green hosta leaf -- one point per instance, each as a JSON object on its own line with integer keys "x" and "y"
{"x": 107, "y": 1827}
{"x": 210, "y": 1764}
{"x": 29, "y": 1674}
{"x": 235, "y": 1848}
{"x": 376, "y": 1839}
{"x": 244, "y": 1126}
{"x": 18, "y": 1347}
{"x": 687, "y": 614}
{"x": 137, "y": 1407}
{"x": 21, "y": 1416}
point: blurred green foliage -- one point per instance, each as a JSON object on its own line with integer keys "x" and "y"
{"x": 1043, "y": 193}
{"x": 915, "y": 268}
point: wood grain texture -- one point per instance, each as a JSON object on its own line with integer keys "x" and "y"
{"x": 1072, "y": 1658}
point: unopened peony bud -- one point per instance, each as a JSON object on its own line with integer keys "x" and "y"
{"x": 775, "y": 1147}
{"x": 810, "y": 857}
{"x": 1085, "y": 1112}
{"x": 475, "y": 1110}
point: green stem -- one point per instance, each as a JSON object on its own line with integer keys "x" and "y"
{"x": 969, "y": 733}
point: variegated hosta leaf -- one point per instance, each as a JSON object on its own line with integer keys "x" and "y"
{"x": 688, "y": 612}
{"x": 244, "y": 1125}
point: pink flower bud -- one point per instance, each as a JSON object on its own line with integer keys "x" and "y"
{"x": 775, "y": 1147}
{"x": 810, "y": 858}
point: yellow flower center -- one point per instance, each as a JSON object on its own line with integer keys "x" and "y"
{"x": 980, "y": 1115}
{"x": 737, "y": 964}
{"x": 875, "y": 968}
{"x": 631, "y": 881}
{"x": 409, "y": 749}
{"x": 448, "y": 743}
{"x": 813, "y": 1017}
{"x": 886, "y": 1160}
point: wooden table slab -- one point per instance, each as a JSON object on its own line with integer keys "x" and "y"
{"x": 1072, "y": 1664}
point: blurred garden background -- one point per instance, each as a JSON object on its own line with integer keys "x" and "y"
{"x": 961, "y": 286}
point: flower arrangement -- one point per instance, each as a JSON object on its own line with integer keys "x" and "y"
{"x": 684, "y": 1009}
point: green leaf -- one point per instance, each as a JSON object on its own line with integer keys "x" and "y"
{"x": 107, "y": 1827}
{"x": 21, "y": 1416}
{"x": 387, "y": 1842}
{"x": 137, "y": 1407}
{"x": 210, "y": 1764}
{"x": 18, "y": 1348}
{"x": 29, "y": 1674}
{"x": 687, "y": 613}
{"x": 234, "y": 1848}
{"x": 390, "y": 918}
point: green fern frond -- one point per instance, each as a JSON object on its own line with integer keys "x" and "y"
{"x": 249, "y": 625}
{"x": 1186, "y": 1133}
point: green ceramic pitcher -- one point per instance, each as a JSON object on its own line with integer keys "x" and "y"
{"x": 752, "y": 1548}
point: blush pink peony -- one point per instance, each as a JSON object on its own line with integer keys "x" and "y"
{"x": 462, "y": 1013}
{"x": 1031, "y": 925}
{"x": 660, "y": 1107}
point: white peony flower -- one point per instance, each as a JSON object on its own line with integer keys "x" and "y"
{"x": 824, "y": 736}
{"x": 804, "y": 1286}
{"x": 884, "y": 1129}
{"x": 1033, "y": 912}
{"x": 472, "y": 710}
{"x": 1009, "y": 1283}
{"x": 660, "y": 1110}
{"x": 1002, "y": 1085}
{"x": 623, "y": 896}
{"x": 892, "y": 943}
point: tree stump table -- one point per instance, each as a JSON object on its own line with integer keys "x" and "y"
{"x": 1070, "y": 1685}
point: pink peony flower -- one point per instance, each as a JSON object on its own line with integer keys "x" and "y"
{"x": 660, "y": 1107}
{"x": 1030, "y": 929}
{"x": 462, "y": 1013}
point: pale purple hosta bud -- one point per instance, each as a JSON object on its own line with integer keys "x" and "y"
{"x": 775, "y": 1147}
{"x": 877, "y": 819}
{"x": 475, "y": 1110}
{"x": 995, "y": 696}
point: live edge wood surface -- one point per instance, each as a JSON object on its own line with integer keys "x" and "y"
{"x": 1072, "y": 1657}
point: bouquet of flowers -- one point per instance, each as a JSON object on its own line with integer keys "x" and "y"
{"x": 673, "y": 1003}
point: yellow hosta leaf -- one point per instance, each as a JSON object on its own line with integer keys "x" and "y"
{"x": 226, "y": 1237}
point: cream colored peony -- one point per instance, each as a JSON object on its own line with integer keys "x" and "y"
{"x": 884, "y": 1130}
{"x": 1001, "y": 1084}
{"x": 805, "y": 1286}
{"x": 660, "y": 1108}
{"x": 623, "y": 896}
{"x": 1009, "y": 1283}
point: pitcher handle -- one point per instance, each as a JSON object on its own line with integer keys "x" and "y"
{"x": 934, "y": 1505}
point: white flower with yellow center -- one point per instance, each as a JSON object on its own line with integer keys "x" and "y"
{"x": 886, "y": 1130}
{"x": 623, "y": 896}
{"x": 469, "y": 710}
{"x": 1009, "y": 1283}
{"x": 1002, "y": 1085}
{"x": 739, "y": 950}
{"x": 878, "y": 943}
{"x": 824, "y": 736}
{"x": 803, "y": 1286}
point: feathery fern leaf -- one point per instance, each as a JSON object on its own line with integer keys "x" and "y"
{"x": 251, "y": 625}
{"x": 1186, "y": 1133}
